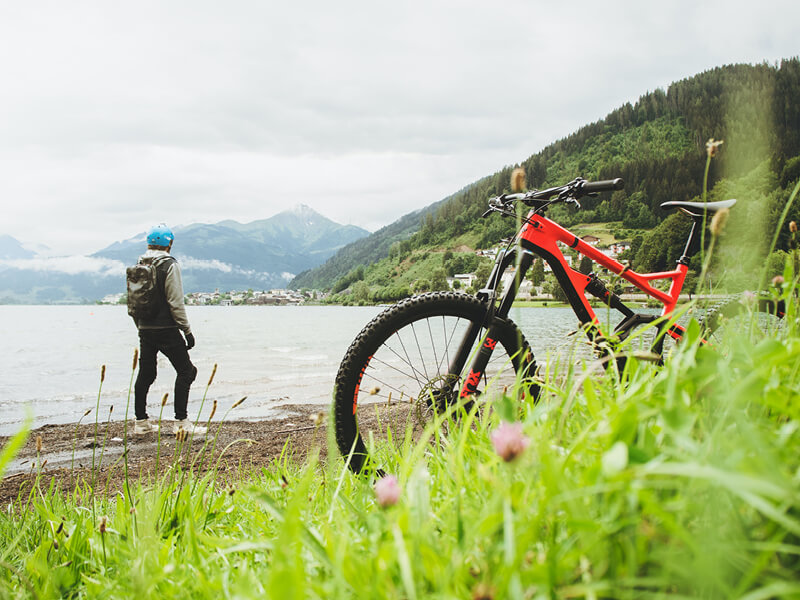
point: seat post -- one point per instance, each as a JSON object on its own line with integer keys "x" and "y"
{"x": 692, "y": 244}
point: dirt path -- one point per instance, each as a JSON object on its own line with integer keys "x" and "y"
{"x": 299, "y": 430}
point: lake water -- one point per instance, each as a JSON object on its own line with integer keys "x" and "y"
{"x": 51, "y": 357}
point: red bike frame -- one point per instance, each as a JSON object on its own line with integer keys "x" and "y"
{"x": 541, "y": 235}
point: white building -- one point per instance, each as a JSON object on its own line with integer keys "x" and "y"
{"x": 464, "y": 279}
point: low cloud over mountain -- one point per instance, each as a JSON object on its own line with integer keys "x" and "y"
{"x": 227, "y": 255}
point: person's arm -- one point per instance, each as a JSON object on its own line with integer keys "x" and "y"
{"x": 173, "y": 289}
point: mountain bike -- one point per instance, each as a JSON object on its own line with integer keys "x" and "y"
{"x": 431, "y": 352}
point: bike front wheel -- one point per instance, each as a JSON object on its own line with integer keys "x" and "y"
{"x": 395, "y": 375}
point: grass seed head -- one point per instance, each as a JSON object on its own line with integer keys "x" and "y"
{"x": 103, "y": 523}
{"x": 213, "y": 410}
{"x": 102, "y": 373}
{"x": 213, "y": 372}
{"x": 38, "y": 443}
{"x": 518, "y": 180}
{"x": 88, "y": 410}
{"x": 712, "y": 147}
{"x": 164, "y": 399}
{"x": 238, "y": 402}
{"x": 135, "y": 358}
{"x": 483, "y": 591}
{"x": 718, "y": 221}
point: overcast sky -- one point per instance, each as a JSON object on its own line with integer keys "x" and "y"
{"x": 115, "y": 116}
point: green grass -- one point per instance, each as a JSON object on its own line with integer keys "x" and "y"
{"x": 658, "y": 481}
{"x": 610, "y": 232}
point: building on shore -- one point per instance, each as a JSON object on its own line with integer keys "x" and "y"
{"x": 250, "y": 297}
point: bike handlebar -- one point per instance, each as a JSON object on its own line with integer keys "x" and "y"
{"x": 564, "y": 193}
{"x": 573, "y": 190}
{"x": 608, "y": 185}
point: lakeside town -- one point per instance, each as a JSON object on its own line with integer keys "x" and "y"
{"x": 459, "y": 281}
{"x": 234, "y": 298}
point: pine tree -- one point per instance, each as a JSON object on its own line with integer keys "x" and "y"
{"x": 537, "y": 272}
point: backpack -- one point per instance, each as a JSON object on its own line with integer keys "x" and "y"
{"x": 144, "y": 297}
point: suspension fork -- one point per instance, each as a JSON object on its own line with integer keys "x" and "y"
{"x": 494, "y": 325}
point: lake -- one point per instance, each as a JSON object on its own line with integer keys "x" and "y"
{"x": 51, "y": 357}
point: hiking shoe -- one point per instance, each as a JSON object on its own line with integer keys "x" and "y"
{"x": 189, "y": 427}
{"x": 144, "y": 426}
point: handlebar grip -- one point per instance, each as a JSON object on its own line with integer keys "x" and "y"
{"x": 608, "y": 185}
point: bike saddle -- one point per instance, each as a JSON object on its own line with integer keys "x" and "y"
{"x": 695, "y": 209}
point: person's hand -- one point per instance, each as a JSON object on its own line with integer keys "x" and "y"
{"x": 189, "y": 341}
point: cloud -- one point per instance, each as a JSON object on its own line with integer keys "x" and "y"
{"x": 71, "y": 265}
{"x": 364, "y": 113}
{"x": 104, "y": 267}
{"x": 188, "y": 264}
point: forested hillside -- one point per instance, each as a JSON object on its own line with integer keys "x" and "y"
{"x": 657, "y": 145}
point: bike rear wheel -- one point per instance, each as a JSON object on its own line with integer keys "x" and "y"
{"x": 754, "y": 317}
{"x": 395, "y": 374}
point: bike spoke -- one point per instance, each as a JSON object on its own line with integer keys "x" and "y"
{"x": 415, "y": 372}
{"x": 384, "y": 382}
{"x": 419, "y": 350}
{"x": 433, "y": 347}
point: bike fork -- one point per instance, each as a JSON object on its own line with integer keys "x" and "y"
{"x": 479, "y": 362}
{"x": 478, "y": 366}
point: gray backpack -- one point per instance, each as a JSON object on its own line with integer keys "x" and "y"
{"x": 144, "y": 297}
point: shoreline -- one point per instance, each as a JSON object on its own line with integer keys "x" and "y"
{"x": 68, "y": 451}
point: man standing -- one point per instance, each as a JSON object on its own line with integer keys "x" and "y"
{"x": 161, "y": 333}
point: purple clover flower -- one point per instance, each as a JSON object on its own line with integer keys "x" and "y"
{"x": 387, "y": 491}
{"x": 509, "y": 441}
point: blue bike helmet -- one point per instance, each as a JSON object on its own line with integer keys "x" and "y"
{"x": 160, "y": 235}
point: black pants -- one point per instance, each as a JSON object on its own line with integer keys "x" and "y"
{"x": 170, "y": 343}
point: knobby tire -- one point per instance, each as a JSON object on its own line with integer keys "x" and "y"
{"x": 405, "y": 351}
{"x": 766, "y": 311}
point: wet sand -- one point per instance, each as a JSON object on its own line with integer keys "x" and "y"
{"x": 240, "y": 446}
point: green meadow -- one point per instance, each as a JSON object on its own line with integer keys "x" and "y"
{"x": 681, "y": 479}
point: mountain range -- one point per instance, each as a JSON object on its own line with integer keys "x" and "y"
{"x": 262, "y": 254}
